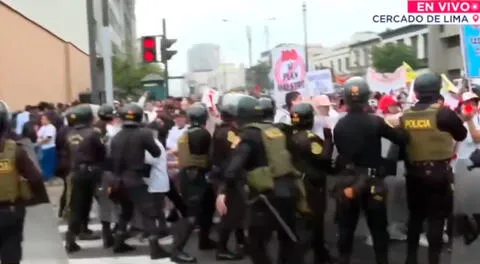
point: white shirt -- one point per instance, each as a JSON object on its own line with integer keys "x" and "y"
{"x": 173, "y": 136}
{"x": 151, "y": 115}
{"x": 282, "y": 116}
{"x": 22, "y": 118}
{"x": 467, "y": 146}
{"x": 158, "y": 181}
{"x": 45, "y": 132}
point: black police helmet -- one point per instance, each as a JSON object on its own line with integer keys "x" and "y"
{"x": 4, "y": 117}
{"x": 131, "y": 114}
{"x": 197, "y": 114}
{"x": 268, "y": 107}
{"x": 106, "y": 112}
{"x": 81, "y": 114}
{"x": 356, "y": 91}
{"x": 302, "y": 116}
{"x": 427, "y": 85}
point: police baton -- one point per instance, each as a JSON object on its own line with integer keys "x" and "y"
{"x": 275, "y": 213}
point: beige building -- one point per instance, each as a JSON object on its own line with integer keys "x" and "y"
{"x": 36, "y": 65}
{"x": 444, "y": 52}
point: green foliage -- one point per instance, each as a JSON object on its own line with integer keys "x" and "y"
{"x": 260, "y": 75}
{"x": 128, "y": 75}
{"x": 388, "y": 57}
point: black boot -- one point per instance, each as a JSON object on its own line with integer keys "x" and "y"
{"x": 71, "y": 245}
{"x": 119, "y": 245}
{"x": 182, "y": 257}
{"x": 226, "y": 255}
{"x": 107, "y": 235}
{"x": 156, "y": 251}
{"x": 181, "y": 233}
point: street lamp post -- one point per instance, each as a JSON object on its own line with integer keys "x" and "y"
{"x": 305, "y": 33}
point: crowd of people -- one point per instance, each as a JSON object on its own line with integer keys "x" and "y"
{"x": 263, "y": 168}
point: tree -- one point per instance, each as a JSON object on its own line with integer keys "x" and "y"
{"x": 259, "y": 75}
{"x": 388, "y": 57}
{"x": 128, "y": 75}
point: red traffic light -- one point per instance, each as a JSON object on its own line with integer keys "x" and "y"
{"x": 149, "y": 56}
{"x": 149, "y": 43}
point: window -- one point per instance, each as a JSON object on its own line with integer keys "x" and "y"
{"x": 401, "y": 41}
{"x": 452, "y": 42}
{"x": 414, "y": 44}
{"x": 347, "y": 63}
{"x": 331, "y": 64}
{"x": 339, "y": 61}
{"x": 425, "y": 44}
{"x": 441, "y": 28}
{"x": 366, "y": 59}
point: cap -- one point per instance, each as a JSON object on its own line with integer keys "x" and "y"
{"x": 321, "y": 100}
{"x": 179, "y": 112}
{"x": 385, "y": 102}
{"x": 469, "y": 96}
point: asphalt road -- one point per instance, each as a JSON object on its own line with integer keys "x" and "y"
{"x": 44, "y": 232}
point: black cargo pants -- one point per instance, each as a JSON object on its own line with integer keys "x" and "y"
{"x": 11, "y": 233}
{"x": 430, "y": 198}
{"x": 369, "y": 197}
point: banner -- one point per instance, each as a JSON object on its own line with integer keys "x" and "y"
{"x": 386, "y": 82}
{"x": 470, "y": 39}
{"x": 210, "y": 98}
{"x": 320, "y": 82}
{"x": 288, "y": 71}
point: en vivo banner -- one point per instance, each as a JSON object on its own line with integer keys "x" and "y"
{"x": 288, "y": 71}
{"x": 320, "y": 82}
{"x": 470, "y": 39}
{"x": 386, "y": 82}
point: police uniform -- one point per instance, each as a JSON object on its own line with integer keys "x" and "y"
{"x": 360, "y": 184}
{"x": 87, "y": 153}
{"x": 106, "y": 113}
{"x": 433, "y": 130}
{"x": 261, "y": 152}
{"x": 21, "y": 185}
{"x": 63, "y": 156}
{"x": 128, "y": 148}
{"x": 197, "y": 191}
{"x": 224, "y": 136}
{"x": 311, "y": 156}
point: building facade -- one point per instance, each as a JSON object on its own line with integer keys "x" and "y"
{"x": 203, "y": 57}
{"x": 39, "y": 64}
{"x": 444, "y": 51}
{"x": 227, "y": 76}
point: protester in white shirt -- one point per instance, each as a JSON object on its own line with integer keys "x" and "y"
{"x": 468, "y": 181}
{"x": 21, "y": 119}
{"x": 325, "y": 116}
{"x": 176, "y": 131}
{"x": 282, "y": 115}
{"x": 46, "y": 139}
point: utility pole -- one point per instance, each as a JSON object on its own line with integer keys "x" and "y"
{"x": 305, "y": 33}
{"x": 164, "y": 30}
{"x": 107, "y": 54}
{"x": 92, "y": 31}
{"x": 249, "y": 39}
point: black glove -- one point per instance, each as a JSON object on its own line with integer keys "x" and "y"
{"x": 475, "y": 160}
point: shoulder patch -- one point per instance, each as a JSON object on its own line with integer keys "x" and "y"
{"x": 310, "y": 134}
{"x": 316, "y": 148}
{"x": 231, "y": 136}
{"x": 235, "y": 142}
{"x": 273, "y": 133}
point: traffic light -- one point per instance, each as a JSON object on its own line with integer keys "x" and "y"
{"x": 164, "y": 47}
{"x": 149, "y": 49}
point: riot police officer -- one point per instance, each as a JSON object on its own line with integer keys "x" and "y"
{"x": 360, "y": 185}
{"x": 21, "y": 184}
{"x": 197, "y": 191}
{"x": 261, "y": 151}
{"x": 128, "y": 148}
{"x": 87, "y": 153}
{"x": 268, "y": 107}
{"x": 224, "y": 136}
{"x": 311, "y": 156}
{"x": 433, "y": 130}
{"x": 106, "y": 114}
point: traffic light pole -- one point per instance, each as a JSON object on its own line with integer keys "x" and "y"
{"x": 93, "y": 53}
{"x": 164, "y": 29}
{"x": 107, "y": 54}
